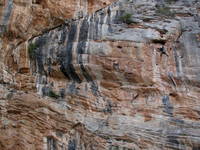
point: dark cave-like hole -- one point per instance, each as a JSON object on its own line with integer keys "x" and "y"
{"x": 36, "y": 2}
{"x": 159, "y": 41}
{"x": 119, "y": 46}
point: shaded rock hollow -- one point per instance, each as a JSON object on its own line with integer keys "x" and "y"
{"x": 82, "y": 76}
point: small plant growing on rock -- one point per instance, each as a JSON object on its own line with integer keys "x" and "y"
{"x": 31, "y": 50}
{"x": 52, "y": 94}
{"x": 165, "y": 11}
{"x": 126, "y": 18}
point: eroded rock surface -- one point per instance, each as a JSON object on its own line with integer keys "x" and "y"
{"x": 123, "y": 77}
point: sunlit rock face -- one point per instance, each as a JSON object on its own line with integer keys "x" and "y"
{"x": 123, "y": 77}
{"x": 28, "y": 17}
{"x": 21, "y": 20}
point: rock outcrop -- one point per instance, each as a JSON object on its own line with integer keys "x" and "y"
{"x": 99, "y": 75}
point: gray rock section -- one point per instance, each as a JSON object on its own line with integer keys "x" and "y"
{"x": 188, "y": 49}
{"x": 6, "y": 15}
{"x": 68, "y": 45}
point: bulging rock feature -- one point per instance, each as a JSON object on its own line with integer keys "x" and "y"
{"x": 100, "y": 75}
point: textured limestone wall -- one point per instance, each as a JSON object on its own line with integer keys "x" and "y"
{"x": 21, "y": 20}
{"x": 97, "y": 82}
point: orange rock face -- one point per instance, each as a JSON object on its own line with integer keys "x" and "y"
{"x": 84, "y": 75}
{"x": 26, "y": 18}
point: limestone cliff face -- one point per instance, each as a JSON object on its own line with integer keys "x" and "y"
{"x": 77, "y": 77}
{"x": 21, "y": 20}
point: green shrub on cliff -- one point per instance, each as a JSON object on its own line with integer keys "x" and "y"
{"x": 32, "y": 50}
{"x": 52, "y": 94}
{"x": 165, "y": 11}
{"x": 126, "y": 18}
